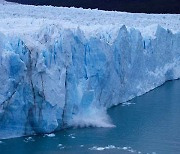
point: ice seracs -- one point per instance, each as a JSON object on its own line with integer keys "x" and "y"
{"x": 63, "y": 67}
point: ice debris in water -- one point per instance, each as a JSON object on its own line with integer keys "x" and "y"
{"x": 29, "y": 139}
{"x": 109, "y": 147}
{"x": 72, "y": 136}
{"x": 60, "y": 146}
{"x": 127, "y": 104}
{"x": 125, "y": 148}
{"x": 103, "y": 148}
{"x": 50, "y": 135}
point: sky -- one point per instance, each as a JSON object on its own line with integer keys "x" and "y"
{"x": 146, "y": 6}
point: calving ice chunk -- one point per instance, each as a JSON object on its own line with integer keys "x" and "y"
{"x": 63, "y": 67}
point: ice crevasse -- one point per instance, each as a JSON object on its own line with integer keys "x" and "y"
{"x": 70, "y": 80}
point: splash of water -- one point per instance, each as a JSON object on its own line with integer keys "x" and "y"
{"x": 93, "y": 117}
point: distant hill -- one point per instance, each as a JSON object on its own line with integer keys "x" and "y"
{"x": 146, "y": 6}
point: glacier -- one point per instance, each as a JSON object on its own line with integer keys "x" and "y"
{"x": 59, "y": 75}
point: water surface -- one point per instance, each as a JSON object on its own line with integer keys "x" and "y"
{"x": 146, "y": 124}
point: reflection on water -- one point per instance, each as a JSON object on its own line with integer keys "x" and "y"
{"x": 147, "y": 124}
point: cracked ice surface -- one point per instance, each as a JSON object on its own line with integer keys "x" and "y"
{"x": 64, "y": 67}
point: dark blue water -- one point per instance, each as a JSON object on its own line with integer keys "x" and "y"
{"x": 150, "y": 124}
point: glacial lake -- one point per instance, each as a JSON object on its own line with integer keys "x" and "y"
{"x": 149, "y": 124}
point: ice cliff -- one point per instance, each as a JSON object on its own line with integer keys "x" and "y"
{"x": 61, "y": 76}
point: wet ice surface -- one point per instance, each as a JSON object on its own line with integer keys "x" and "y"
{"x": 146, "y": 125}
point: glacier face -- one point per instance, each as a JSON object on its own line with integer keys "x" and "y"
{"x": 63, "y": 67}
{"x": 70, "y": 80}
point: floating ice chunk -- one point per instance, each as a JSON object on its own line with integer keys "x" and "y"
{"x": 103, "y": 148}
{"x": 110, "y": 147}
{"x": 131, "y": 150}
{"x": 29, "y": 139}
{"x": 127, "y": 104}
{"x": 72, "y": 136}
{"x": 50, "y": 135}
{"x": 125, "y": 148}
{"x": 97, "y": 148}
{"x": 59, "y": 145}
